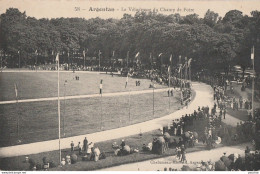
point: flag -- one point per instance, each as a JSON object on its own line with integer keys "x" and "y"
{"x": 57, "y": 58}
{"x": 179, "y": 59}
{"x": 189, "y": 62}
{"x": 179, "y": 69}
{"x": 169, "y": 69}
{"x": 100, "y": 86}
{"x": 84, "y": 53}
{"x": 18, "y": 51}
{"x": 113, "y": 53}
{"x": 159, "y": 54}
{"x": 151, "y": 58}
{"x": 137, "y": 55}
{"x": 126, "y": 80}
{"x": 171, "y": 59}
{"x": 252, "y": 53}
{"x": 137, "y": 58}
{"x": 99, "y": 52}
{"x": 16, "y": 91}
{"x": 36, "y": 51}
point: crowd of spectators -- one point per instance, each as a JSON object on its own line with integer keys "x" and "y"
{"x": 249, "y": 161}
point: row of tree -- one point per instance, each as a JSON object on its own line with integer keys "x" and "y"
{"x": 212, "y": 42}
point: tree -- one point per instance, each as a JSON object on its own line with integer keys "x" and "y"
{"x": 210, "y": 18}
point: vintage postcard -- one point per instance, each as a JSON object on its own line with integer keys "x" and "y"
{"x": 128, "y": 85}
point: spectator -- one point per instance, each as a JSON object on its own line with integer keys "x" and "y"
{"x": 85, "y": 144}
{"x": 79, "y": 148}
{"x": 72, "y": 146}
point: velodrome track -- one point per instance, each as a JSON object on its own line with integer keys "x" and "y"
{"x": 203, "y": 97}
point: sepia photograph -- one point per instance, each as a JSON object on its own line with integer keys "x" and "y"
{"x": 129, "y": 85}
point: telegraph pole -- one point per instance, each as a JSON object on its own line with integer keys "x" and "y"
{"x": 1, "y": 54}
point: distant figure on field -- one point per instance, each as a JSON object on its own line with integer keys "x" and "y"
{"x": 123, "y": 144}
{"x": 85, "y": 144}
{"x": 72, "y": 146}
{"x": 79, "y": 148}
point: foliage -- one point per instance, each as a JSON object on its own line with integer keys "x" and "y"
{"x": 211, "y": 41}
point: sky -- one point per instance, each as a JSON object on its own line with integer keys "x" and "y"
{"x": 116, "y": 8}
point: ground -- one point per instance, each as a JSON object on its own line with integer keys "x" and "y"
{"x": 135, "y": 141}
{"x": 38, "y": 120}
{"x": 44, "y": 84}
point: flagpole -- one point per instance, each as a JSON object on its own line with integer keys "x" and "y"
{"x": 36, "y": 62}
{"x": 181, "y": 86}
{"x": 101, "y": 92}
{"x": 153, "y": 97}
{"x": 84, "y": 59}
{"x": 161, "y": 65}
{"x": 65, "y": 83}
{"x": 69, "y": 65}
{"x": 19, "y": 60}
{"x": 181, "y": 76}
{"x": 186, "y": 69}
{"x": 1, "y": 54}
{"x": 59, "y": 103}
{"x": 99, "y": 53}
{"x": 18, "y": 119}
{"x": 169, "y": 84}
{"x": 101, "y": 113}
{"x": 129, "y": 105}
{"x": 190, "y": 71}
{"x": 99, "y": 61}
{"x": 127, "y": 57}
{"x": 253, "y": 83}
{"x": 2, "y": 62}
{"x": 129, "y": 93}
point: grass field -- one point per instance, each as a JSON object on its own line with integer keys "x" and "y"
{"x": 38, "y": 120}
{"x": 44, "y": 84}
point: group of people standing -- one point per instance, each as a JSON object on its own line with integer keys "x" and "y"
{"x": 88, "y": 150}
